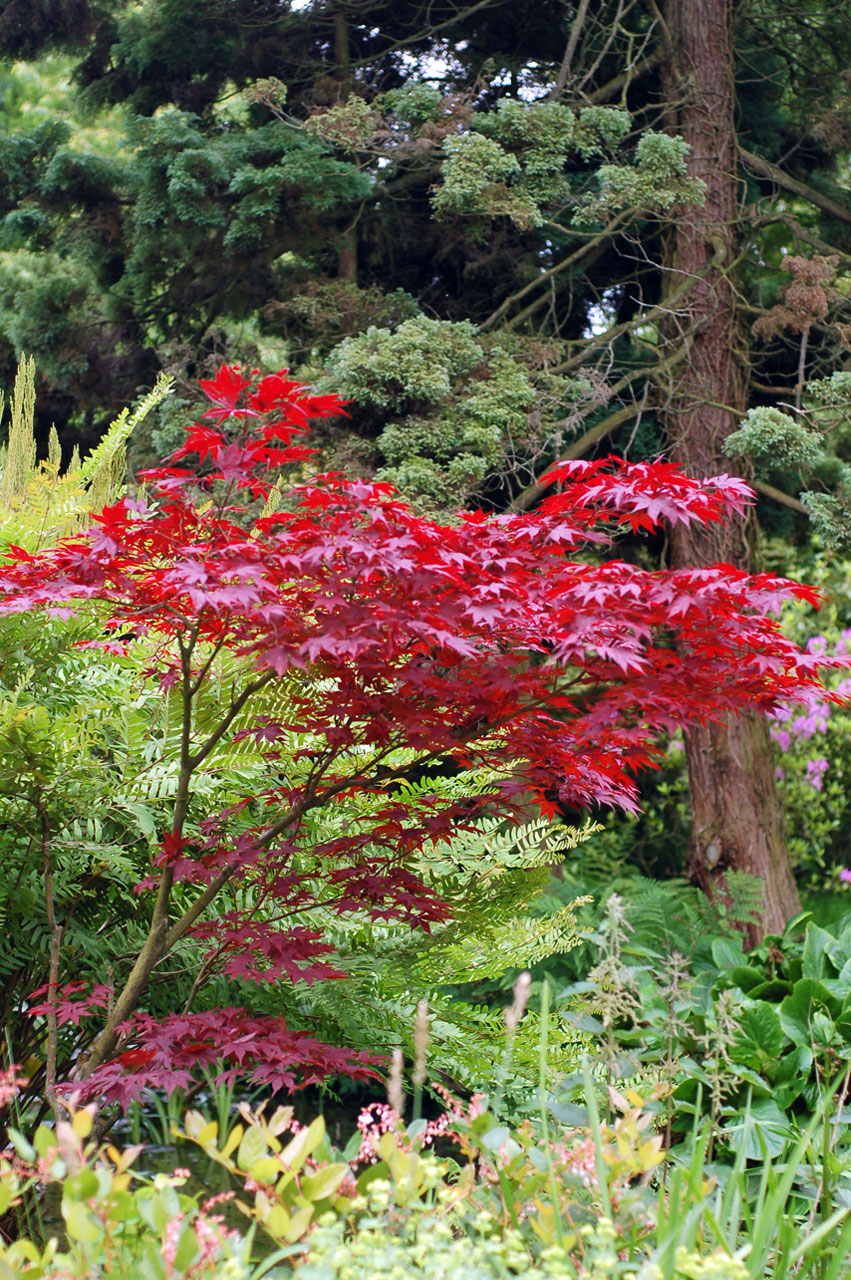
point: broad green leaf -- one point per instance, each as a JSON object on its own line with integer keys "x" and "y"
{"x": 797, "y": 1009}
{"x": 760, "y": 1036}
{"x": 303, "y": 1144}
{"x": 727, "y": 953}
{"x": 233, "y": 1140}
{"x": 277, "y": 1221}
{"x": 265, "y": 1170}
{"x": 323, "y": 1183}
{"x": 818, "y": 944}
{"x": 22, "y": 1148}
{"x": 745, "y": 977}
{"x": 187, "y": 1249}
{"x": 791, "y": 1074}
{"x": 768, "y": 1134}
{"x": 496, "y": 1137}
{"x": 208, "y": 1134}
{"x": 298, "y": 1224}
{"x": 83, "y": 1185}
{"x": 81, "y": 1223}
{"x": 252, "y": 1148}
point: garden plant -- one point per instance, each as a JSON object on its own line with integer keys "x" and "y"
{"x": 354, "y": 643}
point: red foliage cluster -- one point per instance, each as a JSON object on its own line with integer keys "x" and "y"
{"x": 492, "y": 641}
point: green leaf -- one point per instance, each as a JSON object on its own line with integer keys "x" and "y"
{"x": 482, "y": 1122}
{"x": 81, "y": 1186}
{"x": 768, "y": 1134}
{"x": 151, "y": 1265}
{"x": 585, "y": 1022}
{"x": 82, "y": 1225}
{"x": 817, "y": 945}
{"x": 760, "y": 1037}
{"x": 265, "y": 1170}
{"x": 796, "y": 924}
{"x": 797, "y": 1009}
{"x": 378, "y": 1170}
{"x": 187, "y": 1249}
{"x": 773, "y": 990}
{"x": 569, "y": 1113}
{"x": 252, "y": 1148}
{"x": 323, "y": 1183}
{"x": 745, "y": 977}
{"x": 303, "y": 1144}
{"x": 23, "y": 1148}
{"x": 496, "y": 1137}
{"x": 44, "y": 1140}
{"x": 727, "y": 953}
{"x": 841, "y": 986}
{"x": 233, "y": 1140}
{"x": 791, "y": 1074}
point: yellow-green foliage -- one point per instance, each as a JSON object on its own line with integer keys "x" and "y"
{"x": 516, "y": 162}
{"x": 38, "y": 501}
{"x": 19, "y": 459}
{"x": 458, "y": 402}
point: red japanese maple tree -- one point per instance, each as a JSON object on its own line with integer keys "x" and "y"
{"x": 495, "y": 640}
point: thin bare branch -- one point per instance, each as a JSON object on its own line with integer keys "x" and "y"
{"x": 778, "y": 495}
{"x": 570, "y": 50}
{"x": 784, "y": 180}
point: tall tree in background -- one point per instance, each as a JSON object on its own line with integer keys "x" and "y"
{"x": 736, "y": 815}
{"x": 480, "y": 221}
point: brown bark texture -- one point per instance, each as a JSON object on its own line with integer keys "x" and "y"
{"x": 737, "y": 820}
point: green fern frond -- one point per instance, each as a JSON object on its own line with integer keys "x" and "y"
{"x": 746, "y": 894}
{"x": 38, "y": 505}
{"x": 519, "y": 944}
{"x": 122, "y": 428}
{"x": 104, "y": 468}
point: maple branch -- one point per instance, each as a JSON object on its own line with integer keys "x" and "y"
{"x": 161, "y": 939}
{"x": 204, "y": 971}
{"x": 199, "y": 906}
{"x": 199, "y": 756}
{"x": 788, "y": 183}
{"x": 155, "y": 945}
{"x": 530, "y": 495}
{"x": 205, "y": 668}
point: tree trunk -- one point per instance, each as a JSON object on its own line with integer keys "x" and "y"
{"x": 737, "y": 818}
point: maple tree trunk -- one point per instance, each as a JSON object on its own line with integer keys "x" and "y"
{"x": 737, "y": 820}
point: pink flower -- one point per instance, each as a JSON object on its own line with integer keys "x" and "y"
{"x": 845, "y": 874}
{"x": 10, "y": 1084}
